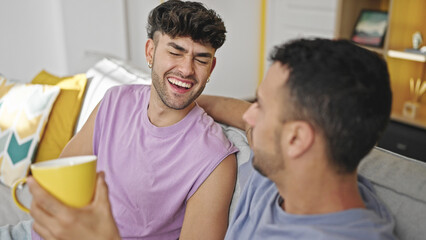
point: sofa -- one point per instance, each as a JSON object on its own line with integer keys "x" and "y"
{"x": 400, "y": 182}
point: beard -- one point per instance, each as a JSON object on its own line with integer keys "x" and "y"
{"x": 160, "y": 85}
{"x": 269, "y": 163}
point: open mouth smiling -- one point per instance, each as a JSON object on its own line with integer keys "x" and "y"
{"x": 179, "y": 84}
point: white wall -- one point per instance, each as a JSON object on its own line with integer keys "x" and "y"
{"x": 137, "y": 12}
{"x": 31, "y": 38}
{"x": 94, "y": 26}
{"x": 56, "y": 35}
{"x": 290, "y": 19}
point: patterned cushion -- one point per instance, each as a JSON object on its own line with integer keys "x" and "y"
{"x": 24, "y": 111}
{"x": 65, "y": 111}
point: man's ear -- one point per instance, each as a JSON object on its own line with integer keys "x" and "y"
{"x": 149, "y": 50}
{"x": 213, "y": 64}
{"x": 298, "y": 137}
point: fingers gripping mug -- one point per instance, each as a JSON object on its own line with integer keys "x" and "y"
{"x": 71, "y": 180}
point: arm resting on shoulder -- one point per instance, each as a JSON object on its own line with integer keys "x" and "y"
{"x": 82, "y": 142}
{"x": 206, "y": 215}
{"x": 228, "y": 111}
{"x": 225, "y": 110}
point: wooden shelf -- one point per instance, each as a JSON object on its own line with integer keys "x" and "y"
{"x": 407, "y": 56}
{"x": 411, "y": 121}
{"x": 405, "y": 18}
{"x": 380, "y": 51}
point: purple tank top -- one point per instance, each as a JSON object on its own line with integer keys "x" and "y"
{"x": 151, "y": 172}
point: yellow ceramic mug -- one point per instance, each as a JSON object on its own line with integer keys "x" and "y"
{"x": 71, "y": 180}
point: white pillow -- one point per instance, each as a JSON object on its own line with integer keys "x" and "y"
{"x": 104, "y": 75}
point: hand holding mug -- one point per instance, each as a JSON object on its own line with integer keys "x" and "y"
{"x": 55, "y": 220}
{"x": 71, "y": 180}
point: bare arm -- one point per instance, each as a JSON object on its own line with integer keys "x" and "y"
{"x": 82, "y": 142}
{"x": 206, "y": 215}
{"x": 225, "y": 110}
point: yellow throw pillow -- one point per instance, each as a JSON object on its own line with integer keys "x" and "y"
{"x": 64, "y": 114}
{"x": 24, "y": 111}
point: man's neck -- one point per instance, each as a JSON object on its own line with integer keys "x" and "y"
{"x": 320, "y": 192}
{"x": 161, "y": 115}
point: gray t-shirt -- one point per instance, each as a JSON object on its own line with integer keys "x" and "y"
{"x": 259, "y": 216}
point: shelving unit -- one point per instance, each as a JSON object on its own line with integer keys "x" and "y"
{"x": 347, "y": 15}
{"x": 407, "y": 56}
{"x": 405, "y": 18}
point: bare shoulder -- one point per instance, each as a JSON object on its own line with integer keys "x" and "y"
{"x": 221, "y": 180}
{"x": 226, "y": 167}
{"x": 82, "y": 142}
{"x": 206, "y": 215}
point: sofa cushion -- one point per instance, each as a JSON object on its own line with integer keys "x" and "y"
{"x": 239, "y": 139}
{"x": 105, "y": 74}
{"x": 24, "y": 111}
{"x": 63, "y": 117}
{"x": 400, "y": 183}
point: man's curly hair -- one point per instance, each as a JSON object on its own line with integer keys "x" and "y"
{"x": 187, "y": 19}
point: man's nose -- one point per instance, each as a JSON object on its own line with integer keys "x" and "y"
{"x": 250, "y": 115}
{"x": 186, "y": 66}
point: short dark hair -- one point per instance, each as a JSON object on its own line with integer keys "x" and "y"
{"x": 187, "y": 19}
{"x": 341, "y": 89}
